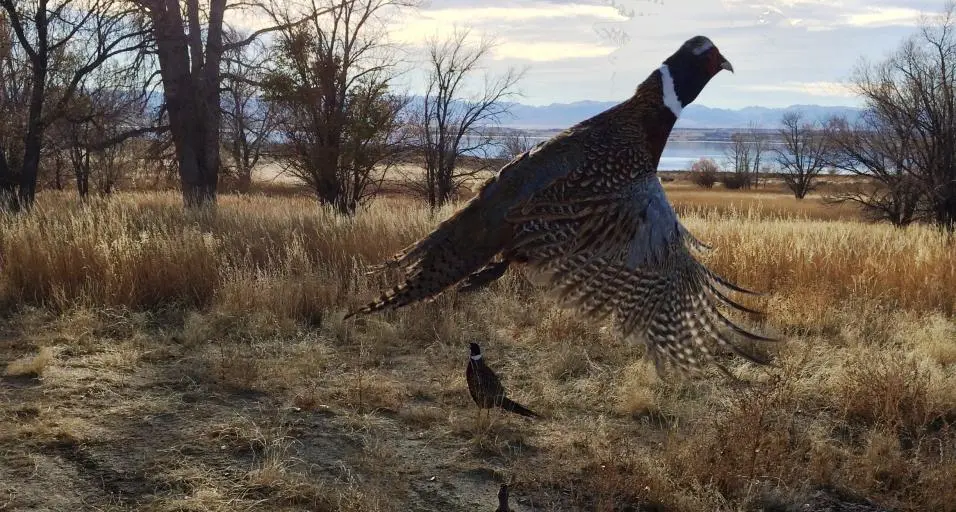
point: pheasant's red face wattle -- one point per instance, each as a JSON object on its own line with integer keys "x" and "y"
{"x": 716, "y": 62}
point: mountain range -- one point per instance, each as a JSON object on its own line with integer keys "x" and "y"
{"x": 563, "y": 115}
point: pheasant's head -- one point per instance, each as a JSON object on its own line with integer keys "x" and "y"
{"x": 475, "y": 351}
{"x": 687, "y": 71}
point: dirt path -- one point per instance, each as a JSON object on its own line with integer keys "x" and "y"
{"x": 120, "y": 426}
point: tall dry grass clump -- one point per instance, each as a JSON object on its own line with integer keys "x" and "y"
{"x": 139, "y": 250}
{"x": 143, "y": 250}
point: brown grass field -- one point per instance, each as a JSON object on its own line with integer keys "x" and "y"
{"x": 158, "y": 359}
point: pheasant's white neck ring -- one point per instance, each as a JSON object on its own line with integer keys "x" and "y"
{"x": 476, "y": 358}
{"x": 671, "y": 100}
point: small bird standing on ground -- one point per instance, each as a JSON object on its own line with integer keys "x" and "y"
{"x": 485, "y": 386}
{"x": 503, "y": 499}
{"x": 586, "y": 211}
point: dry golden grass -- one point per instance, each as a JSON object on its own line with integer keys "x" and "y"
{"x": 249, "y": 299}
{"x": 30, "y": 366}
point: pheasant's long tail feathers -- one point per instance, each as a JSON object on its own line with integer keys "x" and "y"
{"x": 484, "y": 277}
{"x": 442, "y": 268}
{"x": 455, "y": 249}
{"x": 512, "y": 406}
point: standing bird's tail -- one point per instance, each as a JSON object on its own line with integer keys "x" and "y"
{"x": 512, "y": 406}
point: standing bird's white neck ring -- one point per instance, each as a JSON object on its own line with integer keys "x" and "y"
{"x": 671, "y": 100}
{"x": 476, "y": 358}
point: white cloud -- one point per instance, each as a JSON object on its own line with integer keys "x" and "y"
{"x": 785, "y": 51}
{"x": 881, "y": 17}
{"x": 427, "y": 23}
{"x": 826, "y": 14}
{"x": 544, "y": 51}
{"x": 540, "y": 11}
{"x": 828, "y": 89}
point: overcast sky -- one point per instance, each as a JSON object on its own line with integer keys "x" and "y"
{"x": 784, "y": 51}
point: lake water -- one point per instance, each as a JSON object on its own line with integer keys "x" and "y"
{"x": 680, "y": 154}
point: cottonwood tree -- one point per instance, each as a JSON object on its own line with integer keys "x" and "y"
{"x": 455, "y": 119}
{"x": 14, "y": 94}
{"x": 342, "y": 125}
{"x": 82, "y": 37}
{"x": 745, "y": 155}
{"x": 738, "y": 155}
{"x": 513, "y": 143}
{"x": 911, "y": 97}
{"x": 249, "y": 122}
{"x": 189, "y": 51}
{"x": 878, "y": 151}
{"x": 759, "y": 146}
{"x": 802, "y": 156}
{"x": 96, "y": 129}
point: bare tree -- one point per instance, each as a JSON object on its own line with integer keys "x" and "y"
{"x": 90, "y": 36}
{"x": 341, "y": 123}
{"x": 513, "y": 143}
{"x": 803, "y": 155}
{"x": 879, "y": 152}
{"x": 739, "y": 156}
{"x": 745, "y": 155}
{"x": 450, "y": 121}
{"x": 190, "y": 52}
{"x": 108, "y": 108}
{"x": 759, "y": 145}
{"x": 249, "y": 120}
{"x": 911, "y": 102}
{"x": 15, "y": 88}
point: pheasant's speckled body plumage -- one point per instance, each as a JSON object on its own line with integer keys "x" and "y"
{"x": 587, "y": 212}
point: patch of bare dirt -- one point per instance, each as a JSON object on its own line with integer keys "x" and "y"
{"x": 152, "y": 429}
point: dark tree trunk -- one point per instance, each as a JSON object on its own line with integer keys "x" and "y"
{"x": 8, "y": 184}
{"x": 946, "y": 209}
{"x": 245, "y": 182}
{"x": 83, "y": 184}
{"x": 33, "y": 141}
{"x": 192, "y": 99}
{"x": 83, "y": 174}
{"x": 198, "y": 180}
{"x": 58, "y": 173}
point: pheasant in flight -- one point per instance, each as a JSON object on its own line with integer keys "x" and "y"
{"x": 586, "y": 210}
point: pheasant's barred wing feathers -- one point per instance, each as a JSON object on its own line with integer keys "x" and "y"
{"x": 469, "y": 239}
{"x": 628, "y": 255}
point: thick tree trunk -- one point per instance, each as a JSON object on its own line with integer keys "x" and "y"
{"x": 26, "y": 192}
{"x": 198, "y": 181}
{"x": 192, "y": 99}
{"x": 33, "y": 140}
{"x": 946, "y": 209}
{"x": 244, "y": 181}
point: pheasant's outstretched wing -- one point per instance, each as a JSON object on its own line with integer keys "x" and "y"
{"x": 470, "y": 238}
{"x": 626, "y": 253}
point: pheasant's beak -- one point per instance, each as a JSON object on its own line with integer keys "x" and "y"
{"x": 725, "y": 64}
